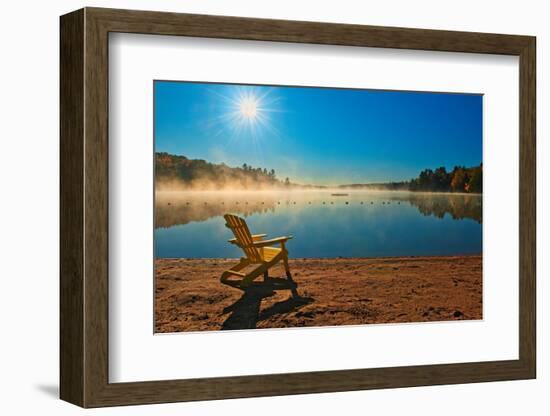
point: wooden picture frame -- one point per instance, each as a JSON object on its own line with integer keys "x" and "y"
{"x": 84, "y": 207}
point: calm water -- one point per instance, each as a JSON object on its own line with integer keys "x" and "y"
{"x": 360, "y": 224}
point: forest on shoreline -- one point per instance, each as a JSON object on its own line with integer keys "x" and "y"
{"x": 173, "y": 172}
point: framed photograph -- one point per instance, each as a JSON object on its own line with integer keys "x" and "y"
{"x": 255, "y": 207}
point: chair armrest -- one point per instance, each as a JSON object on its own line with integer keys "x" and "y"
{"x": 255, "y": 237}
{"x": 271, "y": 241}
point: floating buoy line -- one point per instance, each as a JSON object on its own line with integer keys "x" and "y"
{"x": 294, "y": 203}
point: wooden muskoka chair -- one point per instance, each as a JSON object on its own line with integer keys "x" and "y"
{"x": 257, "y": 252}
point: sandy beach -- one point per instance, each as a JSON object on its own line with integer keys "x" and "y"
{"x": 190, "y": 297}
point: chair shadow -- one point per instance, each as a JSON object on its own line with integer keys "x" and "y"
{"x": 245, "y": 312}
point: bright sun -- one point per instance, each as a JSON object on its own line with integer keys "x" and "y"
{"x": 248, "y": 107}
{"x": 248, "y": 110}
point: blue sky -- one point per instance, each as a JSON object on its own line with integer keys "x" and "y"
{"x": 319, "y": 135}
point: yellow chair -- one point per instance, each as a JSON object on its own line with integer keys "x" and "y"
{"x": 257, "y": 251}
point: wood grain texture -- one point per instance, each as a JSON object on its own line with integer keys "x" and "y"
{"x": 225, "y": 27}
{"x": 527, "y": 208}
{"x": 84, "y": 207}
{"x": 71, "y": 213}
{"x": 96, "y": 208}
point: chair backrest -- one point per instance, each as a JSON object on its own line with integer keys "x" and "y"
{"x": 243, "y": 236}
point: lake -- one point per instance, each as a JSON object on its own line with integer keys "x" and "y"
{"x": 353, "y": 224}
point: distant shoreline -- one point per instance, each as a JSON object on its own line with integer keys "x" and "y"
{"x": 180, "y": 173}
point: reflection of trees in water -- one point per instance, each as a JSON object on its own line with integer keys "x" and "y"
{"x": 171, "y": 211}
{"x": 183, "y": 208}
{"x": 458, "y": 206}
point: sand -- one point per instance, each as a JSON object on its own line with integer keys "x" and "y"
{"x": 347, "y": 291}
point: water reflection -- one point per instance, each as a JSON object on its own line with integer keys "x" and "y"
{"x": 458, "y": 206}
{"x": 354, "y": 224}
{"x": 180, "y": 208}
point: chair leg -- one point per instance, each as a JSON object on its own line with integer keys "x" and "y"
{"x": 287, "y": 268}
{"x": 266, "y": 276}
{"x": 293, "y": 285}
{"x": 253, "y": 275}
{"x": 234, "y": 271}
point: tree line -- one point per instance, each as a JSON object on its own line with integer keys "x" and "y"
{"x": 460, "y": 179}
{"x": 174, "y": 172}
{"x": 179, "y": 172}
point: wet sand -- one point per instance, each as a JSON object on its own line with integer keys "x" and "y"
{"x": 356, "y": 291}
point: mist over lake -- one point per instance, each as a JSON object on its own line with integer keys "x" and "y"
{"x": 325, "y": 224}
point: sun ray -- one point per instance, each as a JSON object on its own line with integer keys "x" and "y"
{"x": 246, "y": 113}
